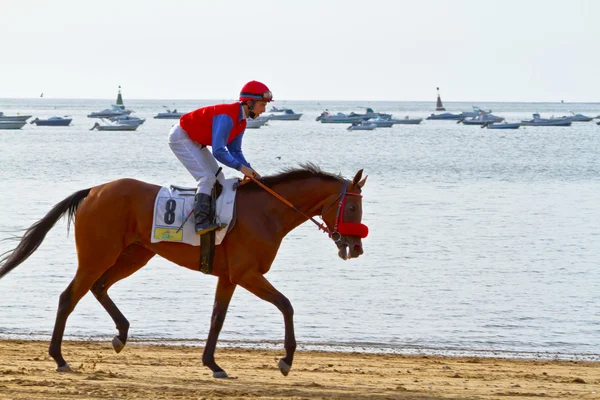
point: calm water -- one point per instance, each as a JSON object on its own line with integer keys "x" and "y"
{"x": 481, "y": 241}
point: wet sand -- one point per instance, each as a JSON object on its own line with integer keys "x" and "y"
{"x": 175, "y": 372}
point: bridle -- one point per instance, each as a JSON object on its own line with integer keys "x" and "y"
{"x": 340, "y": 228}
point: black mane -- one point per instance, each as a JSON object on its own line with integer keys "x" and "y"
{"x": 305, "y": 171}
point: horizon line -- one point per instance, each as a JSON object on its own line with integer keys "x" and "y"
{"x": 309, "y": 100}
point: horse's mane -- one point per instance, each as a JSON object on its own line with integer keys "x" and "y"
{"x": 305, "y": 171}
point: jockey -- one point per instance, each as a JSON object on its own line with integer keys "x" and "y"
{"x": 221, "y": 127}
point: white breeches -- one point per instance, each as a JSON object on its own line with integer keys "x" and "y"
{"x": 196, "y": 157}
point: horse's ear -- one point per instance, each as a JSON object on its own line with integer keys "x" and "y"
{"x": 357, "y": 178}
{"x": 362, "y": 183}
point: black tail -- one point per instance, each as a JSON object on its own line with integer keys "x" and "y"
{"x": 36, "y": 233}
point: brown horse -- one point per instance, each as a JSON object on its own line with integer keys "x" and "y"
{"x": 113, "y": 224}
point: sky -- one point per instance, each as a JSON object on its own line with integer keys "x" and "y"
{"x": 396, "y": 50}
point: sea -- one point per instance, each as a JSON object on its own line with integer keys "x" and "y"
{"x": 482, "y": 242}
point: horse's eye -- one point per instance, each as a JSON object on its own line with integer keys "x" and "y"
{"x": 352, "y": 207}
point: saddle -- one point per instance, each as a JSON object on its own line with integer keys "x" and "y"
{"x": 174, "y": 222}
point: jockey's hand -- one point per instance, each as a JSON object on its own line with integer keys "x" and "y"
{"x": 249, "y": 172}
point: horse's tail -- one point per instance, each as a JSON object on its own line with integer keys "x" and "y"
{"x": 36, "y": 233}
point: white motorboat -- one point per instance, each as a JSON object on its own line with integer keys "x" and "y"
{"x": 407, "y": 121}
{"x": 362, "y": 126}
{"x": 170, "y": 114}
{"x": 287, "y": 115}
{"x": 14, "y": 118}
{"x": 579, "y": 117}
{"x": 127, "y": 120}
{"x": 12, "y": 124}
{"x": 481, "y": 119}
{"x": 538, "y": 121}
{"x": 114, "y": 127}
{"x": 380, "y": 122}
{"x": 275, "y": 109}
{"x": 501, "y": 125}
{"x": 114, "y": 111}
{"x": 339, "y": 118}
{"x": 256, "y": 123}
{"x": 446, "y": 116}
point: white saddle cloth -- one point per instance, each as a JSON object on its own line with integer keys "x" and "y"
{"x": 173, "y": 206}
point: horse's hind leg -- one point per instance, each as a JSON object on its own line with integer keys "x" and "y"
{"x": 131, "y": 259}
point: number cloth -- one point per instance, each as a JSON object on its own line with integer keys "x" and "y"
{"x": 172, "y": 207}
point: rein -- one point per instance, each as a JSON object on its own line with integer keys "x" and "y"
{"x": 320, "y": 226}
{"x": 340, "y": 228}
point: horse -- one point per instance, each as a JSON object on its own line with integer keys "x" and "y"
{"x": 113, "y": 224}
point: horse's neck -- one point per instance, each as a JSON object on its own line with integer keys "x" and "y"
{"x": 308, "y": 196}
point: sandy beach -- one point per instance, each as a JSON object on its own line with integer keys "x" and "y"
{"x": 169, "y": 372}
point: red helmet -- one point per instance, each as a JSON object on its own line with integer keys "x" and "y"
{"x": 255, "y": 90}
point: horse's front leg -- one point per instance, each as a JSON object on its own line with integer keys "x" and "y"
{"x": 223, "y": 296}
{"x": 257, "y": 284}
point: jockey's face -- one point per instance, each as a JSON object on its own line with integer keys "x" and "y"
{"x": 260, "y": 107}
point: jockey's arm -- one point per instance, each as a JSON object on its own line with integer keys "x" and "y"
{"x": 222, "y": 125}
{"x": 235, "y": 148}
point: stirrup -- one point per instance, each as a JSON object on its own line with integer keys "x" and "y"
{"x": 202, "y": 230}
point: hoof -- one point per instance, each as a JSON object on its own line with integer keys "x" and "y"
{"x": 117, "y": 344}
{"x": 64, "y": 368}
{"x": 284, "y": 367}
{"x": 220, "y": 375}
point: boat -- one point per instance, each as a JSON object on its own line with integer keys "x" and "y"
{"x": 114, "y": 127}
{"x": 256, "y": 123}
{"x": 537, "y": 121}
{"x": 597, "y": 123}
{"x": 275, "y": 109}
{"x": 406, "y": 121}
{"x": 52, "y": 121}
{"x": 380, "y": 122}
{"x": 339, "y": 118}
{"x": 127, "y": 120}
{"x": 447, "y": 116}
{"x": 481, "y": 119}
{"x": 12, "y": 124}
{"x": 579, "y": 117}
{"x": 501, "y": 125}
{"x": 362, "y": 126}
{"x": 114, "y": 111}
{"x": 475, "y": 112}
{"x": 14, "y": 118}
{"x": 170, "y": 114}
{"x": 286, "y": 115}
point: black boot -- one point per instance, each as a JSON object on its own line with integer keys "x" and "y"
{"x": 203, "y": 214}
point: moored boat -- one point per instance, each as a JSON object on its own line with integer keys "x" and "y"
{"x": 170, "y": 114}
{"x": 286, "y": 115}
{"x": 501, "y": 125}
{"x": 52, "y": 121}
{"x": 114, "y": 127}
{"x": 12, "y": 124}
{"x": 256, "y": 123}
{"x": 406, "y": 121}
{"x": 380, "y": 122}
{"x": 114, "y": 111}
{"x": 538, "y": 121}
{"x": 14, "y": 118}
{"x": 446, "y": 116}
{"x": 361, "y": 126}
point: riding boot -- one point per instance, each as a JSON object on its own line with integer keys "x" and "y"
{"x": 203, "y": 214}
